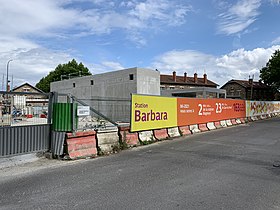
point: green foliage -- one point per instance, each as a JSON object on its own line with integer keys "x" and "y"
{"x": 270, "y": 74}
{"x": 63, "y": 71}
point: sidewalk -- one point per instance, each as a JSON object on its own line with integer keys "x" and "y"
{"x": 6, "y": 162}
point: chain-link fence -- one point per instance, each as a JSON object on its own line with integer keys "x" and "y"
{"x": 17, "y": 108}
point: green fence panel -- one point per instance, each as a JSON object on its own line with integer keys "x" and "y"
{"x": 63, "y": 116}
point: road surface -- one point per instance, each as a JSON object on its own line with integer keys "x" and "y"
{"x": 230, "y": 168}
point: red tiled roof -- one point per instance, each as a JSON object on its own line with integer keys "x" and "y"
{"x": 168, "y": 79}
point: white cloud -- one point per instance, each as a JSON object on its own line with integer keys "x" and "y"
{"x": 23, "y": 23}
{"x": 160, "y": 10}
{"x": 275, "y": 1}
{"x": 238, "y": 64}
{"x": 239, "y": 16}
{"x": 187, "y": 60}
{"x": 277, "y": 40}
{"x": 34, "y": 17}
{"x": 105, "y": 66}
{"x": 30, "y": 65}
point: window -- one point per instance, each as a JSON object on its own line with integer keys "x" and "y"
{"x": 131, "y": 77}
{"x": 74, "y": 85}
{"x": 162, "y": 87}
{"x": 26, "y": 89}
{"x": 91, "y": 82}
{"x": 239, "y": 92}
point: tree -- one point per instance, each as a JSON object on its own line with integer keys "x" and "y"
{"x": 63, "y": 71}
{"x": 270, "y": 74}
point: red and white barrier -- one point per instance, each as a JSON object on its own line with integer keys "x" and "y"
{"x": 173, "y": 132}
{"x": 228, "y": 122}
{"x": 218, "y": 124}
{"x": 146, "y": 136}
{"x": 185, "y": 130}
{"x": 194, "y": 129}
{"x": 211, "y": 126}
{"x": 203, "y": 127}
{"x": 160, "y": 134}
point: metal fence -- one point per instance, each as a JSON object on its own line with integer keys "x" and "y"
{"x": 117, "y": 109}
{"x": 26, "y": 121}
{"x": 25, "y": 125}
{"x": 24, "y": 139}
{"x": 97, "y": 113}
{"x": 18, "y": 109}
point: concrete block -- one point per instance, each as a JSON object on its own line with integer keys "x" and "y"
{"x": 194, "y": 129}
{"x": 233, "y": 122}
{"x": 107, "y": 140}
{"x": 223, "y": 123}
{"x": 228, "y": 122}
{"x": 173, "y": 132}
{"x": 185, "y": 130}
{"x": 83, "y": 153}
{"x": 160, "y": 134}
{"x": 238, "y": 121}
{"x": 243, "y": 120}
{"x": 203, "y": 127}
{"x": 81, "y": 144}
{"x": 211, "y": 126}
{"x": 263, "y": 117}
{"x": 146, "y": 136}
{"x": 130, "y": 139}
{"x": 254, "y": 118}
{"x": 218, "y": 124}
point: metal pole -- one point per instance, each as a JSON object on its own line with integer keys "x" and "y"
{"x": 7, "y": 82}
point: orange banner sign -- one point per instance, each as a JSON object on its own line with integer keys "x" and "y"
{"x": 196, "y": 111}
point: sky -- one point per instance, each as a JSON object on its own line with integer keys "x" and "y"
{"x": 226, "y": 40}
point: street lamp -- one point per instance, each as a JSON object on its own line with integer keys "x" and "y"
{"x": 7, "y": 84}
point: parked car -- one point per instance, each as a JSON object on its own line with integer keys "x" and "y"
{"x": 16, "y": 112}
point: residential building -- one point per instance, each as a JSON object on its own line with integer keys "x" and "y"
{"x": 185, "y": 86}
{"x": 248, "y": 90}
{"x": 34, "y": 96}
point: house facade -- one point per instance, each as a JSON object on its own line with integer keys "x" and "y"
{"x": 248, "y": 90}
{"x": 31, "y": 100}
{"x": 184, "y": 82}
{"x": 185, "y": 86}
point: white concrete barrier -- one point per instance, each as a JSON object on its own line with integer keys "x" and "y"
{"x": 223, "y": 123}
{"x": 194, "y": 129}
{"x": 173, "y": 132}
{"x": 146, "y": 136}
{"x": 254, "y": 118}
{"x": 211, "y": 126}
{"x": 108, "y": 140}
{"x": 228, "y": 122}
{"x": 238, "y": 121}
{"x": 263, "y": 117}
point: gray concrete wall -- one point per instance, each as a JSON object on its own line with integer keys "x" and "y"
{"x": 148, "y": 81}
{"x": 112, "y": 86}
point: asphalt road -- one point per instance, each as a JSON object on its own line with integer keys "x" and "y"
{"x": 229, "y": 168}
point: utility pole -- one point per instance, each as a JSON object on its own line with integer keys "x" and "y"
{"x": 3, "y": 82}
{"x": 252, "y": 86}
{"x": 7, "y": 82}
{"x": 12, "y": 84}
